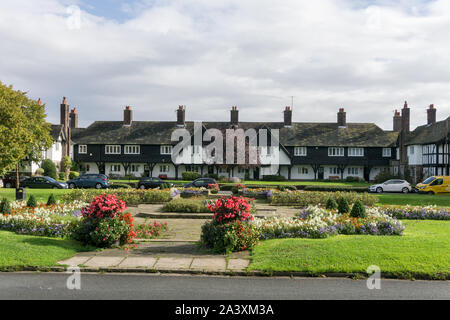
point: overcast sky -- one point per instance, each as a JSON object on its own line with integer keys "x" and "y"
{"x": 365, "y": 56}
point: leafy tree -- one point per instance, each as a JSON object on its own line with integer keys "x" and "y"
{"x": 24, "y": 133}
{"x": 49, "y": 168}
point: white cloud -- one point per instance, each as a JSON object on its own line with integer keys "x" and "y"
{"x": 210, "y": 55}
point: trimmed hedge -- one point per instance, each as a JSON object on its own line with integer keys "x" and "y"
{"x": 306, "y": 198}
{"x": 129, "y": 196}
{"x": 190, "y": 175}
{"x": 336, "y": 188}
{"x": 186, "y": 206}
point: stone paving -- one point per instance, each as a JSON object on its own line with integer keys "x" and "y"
{"x": 177, "y": 250}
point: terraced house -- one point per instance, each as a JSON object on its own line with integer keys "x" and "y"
{"x": 308, "y": 151}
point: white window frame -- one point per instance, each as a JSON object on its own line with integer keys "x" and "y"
{"x": 163, "y": 167}
{"x": 113, "y": 149}
{"x": 132, "y": 149}
{"x": 411, "y": 150}
{"x": 303, "y": 170}
{"x": 134, "y": 168}
{"x": 300, "y": 151}
{"x": 82, "y": 149}
{"x": 334, "y": 170}
{"x": 353, "y": 171}
{"x": 335, "y": 151}
{"x": 166, "y": 149}
{"x": 114, "y": 167}
{"x": 356, "y": 152}
{"x": 387, "y": 152}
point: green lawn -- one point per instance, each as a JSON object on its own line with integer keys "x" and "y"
{"x": 423, "y": 251}
{"x": 414, "y": 199}
{"x": 22, "y": 250}
{"x": 41, "y": 195}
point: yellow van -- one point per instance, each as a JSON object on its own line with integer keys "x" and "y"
{"x": 434, "y": 185}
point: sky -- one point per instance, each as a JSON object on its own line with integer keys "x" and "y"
{"x": 367, "y": 57}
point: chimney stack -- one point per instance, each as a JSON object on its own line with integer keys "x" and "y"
{"x": 127, "y": 116}
{"x": 181, "y": 116}
{"x": 431, "y": 114}
{"x": 64, "y": 113}
{"x": 397, "y": 121}
{"x": 288, "y": 116}
{"x": 73, "y": 118}
{"x": 234, "y": 116}
{"x": 405, "y": 118}
{"x": 342, "y": 118}
{"x": 39, "y": 102}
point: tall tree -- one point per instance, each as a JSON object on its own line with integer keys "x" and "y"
{"x": 24, "y": 133}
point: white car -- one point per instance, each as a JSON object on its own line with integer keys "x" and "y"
{"x": 393, "y": 185}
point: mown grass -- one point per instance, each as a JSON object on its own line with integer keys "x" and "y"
{"x": 422, "y": 252}
{"x": 31, "y": 251}
{"x": 41, "y": 195}
{"x": 413, "y": 199}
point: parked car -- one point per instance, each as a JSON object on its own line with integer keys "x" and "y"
{"x": 149, "y": 183}
{"x": 98, "y": 181}
{"x": 434, "y": 185}
{"x": 200, "y": 182}
{"x": 10, "y": 181}
{"x": 163, "y": 176}
{"x": 393, "y": 185}
{"x": 43, "y": 183}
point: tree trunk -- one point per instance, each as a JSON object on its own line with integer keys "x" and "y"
{"x": 17, "y": 176}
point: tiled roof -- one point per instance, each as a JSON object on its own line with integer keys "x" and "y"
{"x": 428, "y": 133}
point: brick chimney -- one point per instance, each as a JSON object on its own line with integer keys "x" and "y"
{"x": 127, "y": 116}
{"x": 39, "y": 102}
{"x": 234, "y": 116}
{"x": 64, "y": 113}
{"x": 288, "y": 116}
{"x": 342, "y": 118}
{"x": 397, "y": 121}
{"x": 181, "y": 116}
{"x": 405, "y": 118}
{"x": 73, "y": 118}
{"x": 431, "y": 114}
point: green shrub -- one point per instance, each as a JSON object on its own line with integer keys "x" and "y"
{"x": 274, "y": 178}
{"x": 5, "y": 206}
{"x": 235, "y": 190}
{"x": 73, "y": 175}
{"x": 129, "y": 196}
{"x": 190, "y": 175}
{"x": 49, "y": 168}
{"x": 343, "y": 206}
{"x": 32, "y": 202}
{"x": 62, "y": 176}
{"x": 51, "y": 200}
{"x": 331, "y": 204}
{"x": 384, "y": 176}
{"x": 212, "y": 176}
{"x": 281, "y": 188}
{"x": 39, "y": 172}
{"x": 307, "y": 198}
{"x": 119, "y": 186}
{"x": 358, "y": 210}
{"x": 214, "y": 191}
{"x": 229, "y": 237}
{"x": 186, "y": 206}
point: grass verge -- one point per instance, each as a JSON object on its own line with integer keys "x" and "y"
{"x": 413, "y": 199}
{"x": 422, "y": 252}
{"x": 18, "y": 251}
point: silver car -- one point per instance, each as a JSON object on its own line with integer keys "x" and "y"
{"x": 394, "y": 185}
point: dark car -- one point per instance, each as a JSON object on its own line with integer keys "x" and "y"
{"x": 149, "y": 183}
{"x": 200, "y": 182}
{"x": 43, "y": 183}
{"x": 10, "y": 181}
{"x": 98, "y": 181}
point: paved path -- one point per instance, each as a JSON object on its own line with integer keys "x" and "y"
{"x": 167, "y": 287}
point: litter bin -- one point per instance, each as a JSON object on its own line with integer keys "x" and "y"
{"x": 20, "y": 194}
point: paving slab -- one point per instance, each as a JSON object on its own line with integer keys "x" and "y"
{"x": 238, "y": 264}
{"x": 138, "y": 262}
{"x": 75, "y": 261}
{"x": 104, "y": 262}
{"x": 173, "y": 263}
{"x": 218, "y": 264}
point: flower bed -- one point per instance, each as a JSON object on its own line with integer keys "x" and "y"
{"x": 316, "y": 222}
{"x": 150, "y": 231}
{"x": 316, "y": 198}
{"x": 257, "y": 193}
{"x": 417, "y": 213}
{"x": 194, "y": 192}
{"x": 129, "y": 196}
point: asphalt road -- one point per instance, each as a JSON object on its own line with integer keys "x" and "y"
{"x": 172, "y": 287}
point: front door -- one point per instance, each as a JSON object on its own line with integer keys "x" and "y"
{"x": 320, "y": 174}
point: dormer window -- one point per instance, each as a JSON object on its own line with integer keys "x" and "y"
{"x": 387, "y": 152}
{"x": 82, "y": 149}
